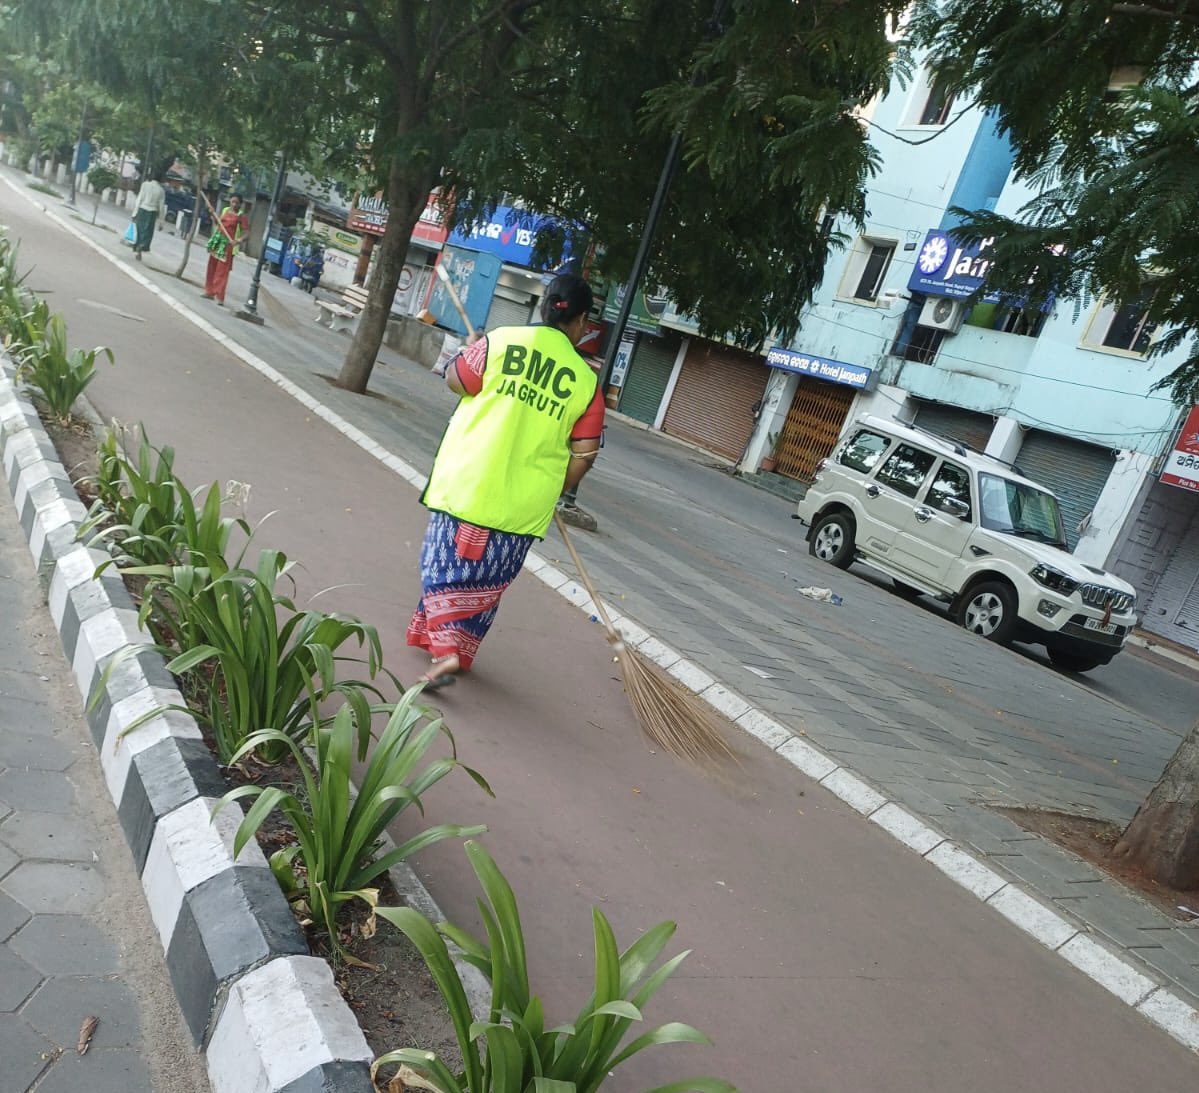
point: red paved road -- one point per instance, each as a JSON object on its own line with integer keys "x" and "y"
{"x": 826, "y": 957}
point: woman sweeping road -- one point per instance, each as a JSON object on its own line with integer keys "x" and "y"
{"x": 231, "y": 225}
{"x": 528, "y": 426}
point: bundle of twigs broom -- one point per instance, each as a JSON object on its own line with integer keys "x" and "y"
{"x": 674, "y": 719}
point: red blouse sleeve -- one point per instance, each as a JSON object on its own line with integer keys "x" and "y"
{"x": 591, "y": 425}
{"x": 469, "y": 366}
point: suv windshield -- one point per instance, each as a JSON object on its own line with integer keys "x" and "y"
{"x": 1019, "y": 509}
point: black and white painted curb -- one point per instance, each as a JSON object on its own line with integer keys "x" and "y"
{"x": 1118, "y": 972}
{"x": 267, "y": 1016}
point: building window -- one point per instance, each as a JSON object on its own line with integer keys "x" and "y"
{"x": 1026, "y": 321}
{"x": 1125, "y": 327}
{"x": 936, "y": 106}
{"x": 868, "y": 265}
{"x": 921, "y": 346}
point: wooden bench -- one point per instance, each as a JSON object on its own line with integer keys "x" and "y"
{"x": 342, "y": 316}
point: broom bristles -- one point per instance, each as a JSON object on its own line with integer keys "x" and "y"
{"x": 674, "y": 719}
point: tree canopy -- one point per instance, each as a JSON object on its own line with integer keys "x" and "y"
{"x": 565, "y": 106}
{"x": 1100, "y": 102}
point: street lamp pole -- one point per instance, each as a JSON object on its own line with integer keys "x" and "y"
{"x": 569, "y": 508}
{"x": 250, "y": 311}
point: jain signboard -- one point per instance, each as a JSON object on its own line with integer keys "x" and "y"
{"x": 804, "y": 364}
{"x": 946, "y": 268}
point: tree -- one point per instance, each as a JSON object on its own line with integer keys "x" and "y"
{"x": 569, "y": 106}
{"x": 1101, "y": 103}
{"x": 1099, "y": 100}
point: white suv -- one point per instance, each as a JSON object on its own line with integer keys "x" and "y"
{"x": 942, "y": 519}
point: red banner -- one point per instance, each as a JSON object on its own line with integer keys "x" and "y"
{"x": 1182, "y": 464}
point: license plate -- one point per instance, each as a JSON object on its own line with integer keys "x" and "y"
{"x": 1096, "y": 624}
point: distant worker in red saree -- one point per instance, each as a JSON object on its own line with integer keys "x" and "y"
{"x": 528, "y": 426}
{"x": 226, "y": 236}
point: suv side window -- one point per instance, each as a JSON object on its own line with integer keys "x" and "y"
{"x": 864, "y": 450}
{"x": 906, "y": 470}
{"x": 951, "y": 483}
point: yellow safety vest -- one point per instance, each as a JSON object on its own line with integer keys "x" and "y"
{"x": 502, "y": 461}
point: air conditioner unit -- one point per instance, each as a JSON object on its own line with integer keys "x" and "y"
{"x": 942, "y": 313}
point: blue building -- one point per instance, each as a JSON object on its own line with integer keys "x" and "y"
{"x": 1067, "y": 391}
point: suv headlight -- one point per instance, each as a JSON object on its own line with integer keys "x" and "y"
{"x": 1053, "y": 579}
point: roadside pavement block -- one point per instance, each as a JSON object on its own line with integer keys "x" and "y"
{"x": 267, "y": 1016}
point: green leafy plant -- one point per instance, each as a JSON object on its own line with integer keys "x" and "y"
{"x": 149, "y": 514}
{"x": 58, "y": 374}
{"x": 15, "y": 300}
{"x": 271, "y": 665}
{"x": 101, "y": 178}
{"x": 340, "y": 834}
{"x": 521, "y": 1055}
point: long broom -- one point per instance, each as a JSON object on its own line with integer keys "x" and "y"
{"x": 672, "y": 718}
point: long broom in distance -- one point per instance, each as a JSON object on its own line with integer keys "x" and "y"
{"x": 672, "y": 718}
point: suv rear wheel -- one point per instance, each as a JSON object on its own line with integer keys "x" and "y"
{"x": 833, "y": 540}
{"x": 1073, "y": 662}
{"x": 989, "y": 610}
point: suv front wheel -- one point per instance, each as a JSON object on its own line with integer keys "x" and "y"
{"x": 833, "y": 540}
{"x": 989, "y": 610}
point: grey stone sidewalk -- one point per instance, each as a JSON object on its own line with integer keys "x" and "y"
{"x": 76, "y": 939}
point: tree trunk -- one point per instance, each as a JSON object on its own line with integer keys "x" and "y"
{"x": 407, "y": 194}
{"x": 201, "y": 161}
{"x": 1163, "y": 838}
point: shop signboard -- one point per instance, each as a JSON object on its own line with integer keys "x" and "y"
{"x": 337, "y": 239}
{"x": 368, "y": 215}
{"x": 945, "y": 267}
{"x": 1182, "y": 464}
{"x": 370, "y": 212}
{"x": 506, "y": 234}
{"x": 645, "y": 313}
{"x": 823, "y": 368}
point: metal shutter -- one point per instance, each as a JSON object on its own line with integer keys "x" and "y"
{"x": 505, "y": 312}
{"x": 649, "y": 372}
{"x": 968, "y": 426}
{"x": 1075, "y": 471}
{"x": 713, "y": 400}
{"x": 814, "y": 422}
{"x": 1173, "y": 609}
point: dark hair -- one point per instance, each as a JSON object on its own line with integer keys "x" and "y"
{"x": 567, "y": 298}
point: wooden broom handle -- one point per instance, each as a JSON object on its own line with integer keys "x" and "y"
{"x": 449, "y": 287}
{"x": 613, "y": 633}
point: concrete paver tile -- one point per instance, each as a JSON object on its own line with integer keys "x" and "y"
{"x": 18, "y": 980}
{"x": 8, "y": 860}
{"x": 36, "y": 790}
{"x": 33, "y": 751}
{"x": 64, "y": 1003}
{"x": 66, "y": 945}
{"x": 49, "y": 836}
{"x": 18, "y": 716}
{"x": 12, "y": 916}
{"x": 24, "y": 686}
{"x": 25, "y": 1053}
{"x": 54, "y": 887}
{"x": 99, "y": 1071}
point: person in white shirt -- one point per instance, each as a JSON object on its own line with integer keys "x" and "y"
{"x": 151, "y": 204}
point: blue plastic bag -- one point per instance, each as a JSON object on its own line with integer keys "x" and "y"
{"x": 131, "y": 233}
